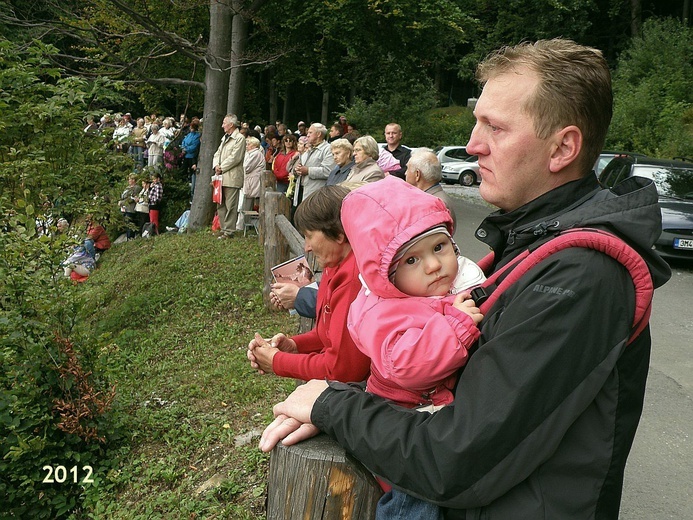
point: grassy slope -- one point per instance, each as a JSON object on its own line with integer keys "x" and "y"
{"x": 172, "y": 317}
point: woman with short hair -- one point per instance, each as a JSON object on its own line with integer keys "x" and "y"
{"x": 284, "y": 160}
{"x": 366, "y": 154}
{"x": 341, "y": 151}
{"x": 327, "y": 351}
{"x": 254, "y": 167}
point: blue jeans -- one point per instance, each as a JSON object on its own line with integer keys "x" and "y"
{"x": 89, "y": 246}
{"x": 396, "y": 505}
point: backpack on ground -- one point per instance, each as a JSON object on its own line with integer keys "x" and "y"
{"x": 149, "y": 230}
{"x": 488, "y": 293}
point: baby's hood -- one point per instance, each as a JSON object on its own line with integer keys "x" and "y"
{"x": 379, "y": 218}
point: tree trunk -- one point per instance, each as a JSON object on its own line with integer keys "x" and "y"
{"x": 272, "y": 98}
{"x": 635, "y": 18}
{"x": 325, "y": 107}
{"x": 216, "y": 90}
{"x": 285, "y": 110}
{"x": 239, "y": 39}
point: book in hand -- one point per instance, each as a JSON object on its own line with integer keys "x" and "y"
{"x": 294, "y": 271}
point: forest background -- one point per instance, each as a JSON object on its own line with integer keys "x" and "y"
{"x": 374, "y": 61}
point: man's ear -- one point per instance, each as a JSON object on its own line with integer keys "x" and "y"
{"x": 566, "y": 148}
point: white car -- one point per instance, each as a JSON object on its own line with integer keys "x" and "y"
{"x": 465, "y": 173}
{"x": 447, "y": 154}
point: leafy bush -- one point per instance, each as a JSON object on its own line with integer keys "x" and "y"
{"x": 422, "y": 124}
{"x": 54, "y": 408}
{"x": 653, "y": 90}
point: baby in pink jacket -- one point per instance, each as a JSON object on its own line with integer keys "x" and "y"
{"x": 412, "y": 317}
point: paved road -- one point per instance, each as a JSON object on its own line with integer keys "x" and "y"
{"x": 659, "y": 475}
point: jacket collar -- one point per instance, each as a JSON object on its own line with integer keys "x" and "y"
{"x": 507, "y": 233}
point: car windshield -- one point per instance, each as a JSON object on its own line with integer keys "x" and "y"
{"x": 671, "y": 181}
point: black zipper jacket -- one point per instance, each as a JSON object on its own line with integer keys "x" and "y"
{"x": 546, "y": 408}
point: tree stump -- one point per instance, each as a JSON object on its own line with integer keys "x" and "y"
{"x": 317, "y": 480}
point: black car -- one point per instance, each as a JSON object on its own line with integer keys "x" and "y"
{"x": 674, "y": 181}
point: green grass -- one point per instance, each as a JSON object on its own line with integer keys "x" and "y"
{"x": 172, "y": 317}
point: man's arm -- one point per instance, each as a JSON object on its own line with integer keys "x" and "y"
{"x": 325, "y": 166}
{"x": 542, "y": 360}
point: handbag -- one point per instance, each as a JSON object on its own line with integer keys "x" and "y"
{"x": 142, "y": 207}
{"x": 216, "y": 189}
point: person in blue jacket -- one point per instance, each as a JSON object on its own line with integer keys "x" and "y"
{"x": 191, "y": 147}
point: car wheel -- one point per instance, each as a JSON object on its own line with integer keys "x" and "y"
{"x": 467, "y": 178}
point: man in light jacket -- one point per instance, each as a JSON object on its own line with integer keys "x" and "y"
{"x": 316, "y": 164}
{"x": 228, "y": 162}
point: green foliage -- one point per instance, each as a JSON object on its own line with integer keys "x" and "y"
{"x": 174, "y": 316}
{"x": 422, "y": 124}
{"x": 653, "y": 89}
{"x": 53, "y": 405}
{"x": 45, "y": 158}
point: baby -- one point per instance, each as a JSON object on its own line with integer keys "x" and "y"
{"x": 413, "y": 316}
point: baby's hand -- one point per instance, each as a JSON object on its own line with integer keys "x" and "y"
{"x": 463, "y": 302}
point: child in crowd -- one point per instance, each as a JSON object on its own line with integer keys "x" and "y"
{"x": 413, "y": 316}
{"x": 155, "y": 195}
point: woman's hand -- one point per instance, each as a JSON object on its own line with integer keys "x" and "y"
{"x": 261, "y": 351}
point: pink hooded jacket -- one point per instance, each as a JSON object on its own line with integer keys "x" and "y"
{"x": 416, "y": 344}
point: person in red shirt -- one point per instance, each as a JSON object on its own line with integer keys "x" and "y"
{"x": 327, "y": 351}
{"x": 97, "y": 240}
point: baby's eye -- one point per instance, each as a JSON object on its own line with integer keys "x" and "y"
{"x": 438, "y": 247}
{"x": 411, "y": 260}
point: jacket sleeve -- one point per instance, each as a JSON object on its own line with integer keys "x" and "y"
{"x": 414, "y": 345}
{"x": 322, "y": 171}
{"x": 306, "y": 302}
{"x": 338, "y": 358}
{"x": 542, "y": 359}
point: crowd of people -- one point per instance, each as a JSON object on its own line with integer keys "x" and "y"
{"x": 525, "y": 410}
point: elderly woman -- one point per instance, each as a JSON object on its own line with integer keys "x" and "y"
{"x": 341, "y": 151}
{"x": 327, "y": 351}
{"x": 366, "y": 154}
{"x": 254, "y": 168}
{"x": 155, "y": 147}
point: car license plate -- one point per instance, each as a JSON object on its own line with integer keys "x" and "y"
{"x": 683, "y": 243}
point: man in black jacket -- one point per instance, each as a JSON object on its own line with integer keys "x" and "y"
{"x": 547, "y": 407}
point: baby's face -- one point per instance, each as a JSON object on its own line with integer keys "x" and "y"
{"x": 428, "y": 268}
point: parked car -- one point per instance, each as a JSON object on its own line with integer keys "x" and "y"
{"x": 447, "y": 154}
{"x": 464, "y": 172}
{"x": 605, "y": 158}
{"x": 674, "y": 181}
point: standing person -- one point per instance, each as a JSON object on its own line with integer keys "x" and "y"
{"x": 280, "y": 166}
{"x": 393, "y": 137}
{"x": 191, "y": 149}
{"x": 156, "y": 195}
{"x": 155, "y": 148}
{"x": 335, "y": 132}
{"x": 326, "y": 351}
{"x": 546, "y": 408}
{"x": 425, "y": 172}
{"x": 413, "y": 316}
{"x": 315, "y": 165}
{"x": 254, "y": 168}
{"x": 228, "y": 162}
{"x": 128, "y": 200}
{"x": 142, "y": 205}
{"x": 138, "y": 138}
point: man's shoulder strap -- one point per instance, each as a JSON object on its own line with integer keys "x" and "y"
{"x": 488, "y": 293}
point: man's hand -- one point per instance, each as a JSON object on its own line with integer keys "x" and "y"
{"x": 292, "y": 423}
{"x": 283, "y": 295}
